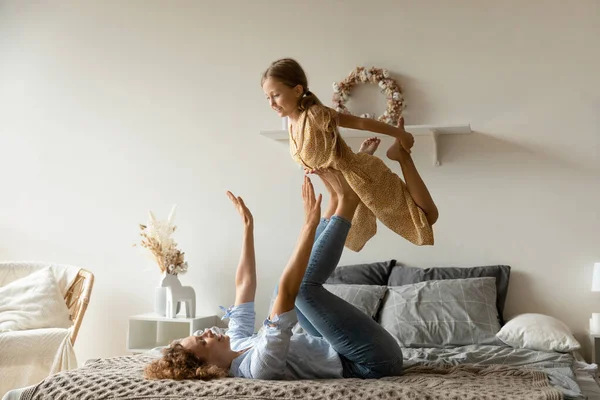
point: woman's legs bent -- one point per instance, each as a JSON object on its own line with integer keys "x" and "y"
{"x": 367, "y": 350}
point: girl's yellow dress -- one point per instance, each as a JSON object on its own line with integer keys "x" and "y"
{"x": 382, "y": 193}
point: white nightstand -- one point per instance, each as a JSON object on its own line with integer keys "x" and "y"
{"x": 595, "y": 339}
{"x": 146, "y": 331}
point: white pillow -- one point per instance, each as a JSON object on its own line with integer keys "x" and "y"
{"x": 538, "y": 332}
{"x": 33, "y": 302}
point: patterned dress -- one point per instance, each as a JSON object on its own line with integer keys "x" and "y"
{"x": 383, "y": 194}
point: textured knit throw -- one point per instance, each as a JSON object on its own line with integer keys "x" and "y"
{"x": 122, "y": 378}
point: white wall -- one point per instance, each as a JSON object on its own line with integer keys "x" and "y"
{"x": 108, "y": 109}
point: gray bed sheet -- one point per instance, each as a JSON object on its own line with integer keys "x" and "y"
{"x": 558, "y": 366}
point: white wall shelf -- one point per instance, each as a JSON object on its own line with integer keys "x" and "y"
{"x": 433, "y": 130}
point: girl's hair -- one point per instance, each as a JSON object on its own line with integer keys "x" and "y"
{"x": 178, "y": 363}
{"x": 289, "y": 72}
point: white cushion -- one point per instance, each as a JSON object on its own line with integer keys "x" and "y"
{"x": 538, "y": 332}
{"x": 12, "y": 270}
{"x": 33, "y": 302}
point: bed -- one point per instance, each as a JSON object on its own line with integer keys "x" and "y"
{"x": 449, "y": 357}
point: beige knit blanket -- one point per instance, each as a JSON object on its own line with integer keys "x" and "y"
{"x": 121, "y": 378}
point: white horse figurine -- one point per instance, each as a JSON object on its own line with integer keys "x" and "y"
{"x": 176, "y": 293}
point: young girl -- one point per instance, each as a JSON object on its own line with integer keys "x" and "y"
{"x": 315, "y": 143}
{"x": 343, "y": 342}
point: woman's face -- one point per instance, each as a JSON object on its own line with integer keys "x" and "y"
{"x": 209, "y": 346}
{"x": 282, "y": 99}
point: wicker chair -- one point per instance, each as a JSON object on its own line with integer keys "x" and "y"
{"x": 45, "y": 351}
{"x": 78, "y": 298}
{"x": 77, "y": 295}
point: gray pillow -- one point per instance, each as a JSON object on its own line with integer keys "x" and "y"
{"x": 366, "y": 298}
{"x": 402, "y": 275}
{"x": 453, "y": 312}
{"x": 376, "y": 273}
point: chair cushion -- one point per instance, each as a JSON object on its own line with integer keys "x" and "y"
{"x": 33, "y": 302}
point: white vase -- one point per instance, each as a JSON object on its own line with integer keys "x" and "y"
{"x": 160, "y": 293}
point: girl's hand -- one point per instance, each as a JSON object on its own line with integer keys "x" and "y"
{"x": 312, "y": 205}
{"x": 240, "y": 206}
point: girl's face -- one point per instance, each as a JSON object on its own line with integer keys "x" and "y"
{"x": 282, "y": 99}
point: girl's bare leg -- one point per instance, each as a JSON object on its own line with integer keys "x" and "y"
{"x": 415, "y": 185}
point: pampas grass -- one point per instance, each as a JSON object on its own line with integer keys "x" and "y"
{"x": 156, "y": 237}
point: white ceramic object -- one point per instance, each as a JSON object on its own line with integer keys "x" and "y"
{"x": 175, "y": 294}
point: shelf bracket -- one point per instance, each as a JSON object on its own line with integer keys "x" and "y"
{"x": 436, "y": 158}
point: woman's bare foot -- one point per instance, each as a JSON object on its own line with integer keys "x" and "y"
{"x": 370, "y": 145}
{"x": 332, "y": 192}
{"x": 333, "y": 196}
{"x": 338, "y": 183}
{"x": 348, "y": 199}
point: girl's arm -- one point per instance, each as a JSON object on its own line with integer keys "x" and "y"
{"x": 245, "y": 277}
{"x": 371, "y": 125}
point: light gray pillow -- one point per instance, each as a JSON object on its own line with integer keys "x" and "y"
{"x": 453, "y": 312}
{"x": 402, "y": 275}
{"x": 375, "y": 273}
{"x": 366, "y": 298}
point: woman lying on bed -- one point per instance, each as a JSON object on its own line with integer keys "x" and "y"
{"x": 340, "y": 340}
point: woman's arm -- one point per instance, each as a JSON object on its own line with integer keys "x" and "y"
{"x": 245, "y": 277}
{"x": 292, "y": 275}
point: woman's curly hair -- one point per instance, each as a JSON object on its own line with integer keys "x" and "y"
{"x": 178, "y": 363}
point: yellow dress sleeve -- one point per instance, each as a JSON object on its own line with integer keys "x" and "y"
{"x": 314, "y": 141}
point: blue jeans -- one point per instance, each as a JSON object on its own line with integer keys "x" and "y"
{"x": 365, "y": 348}
{"x": 304, "y": 323}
